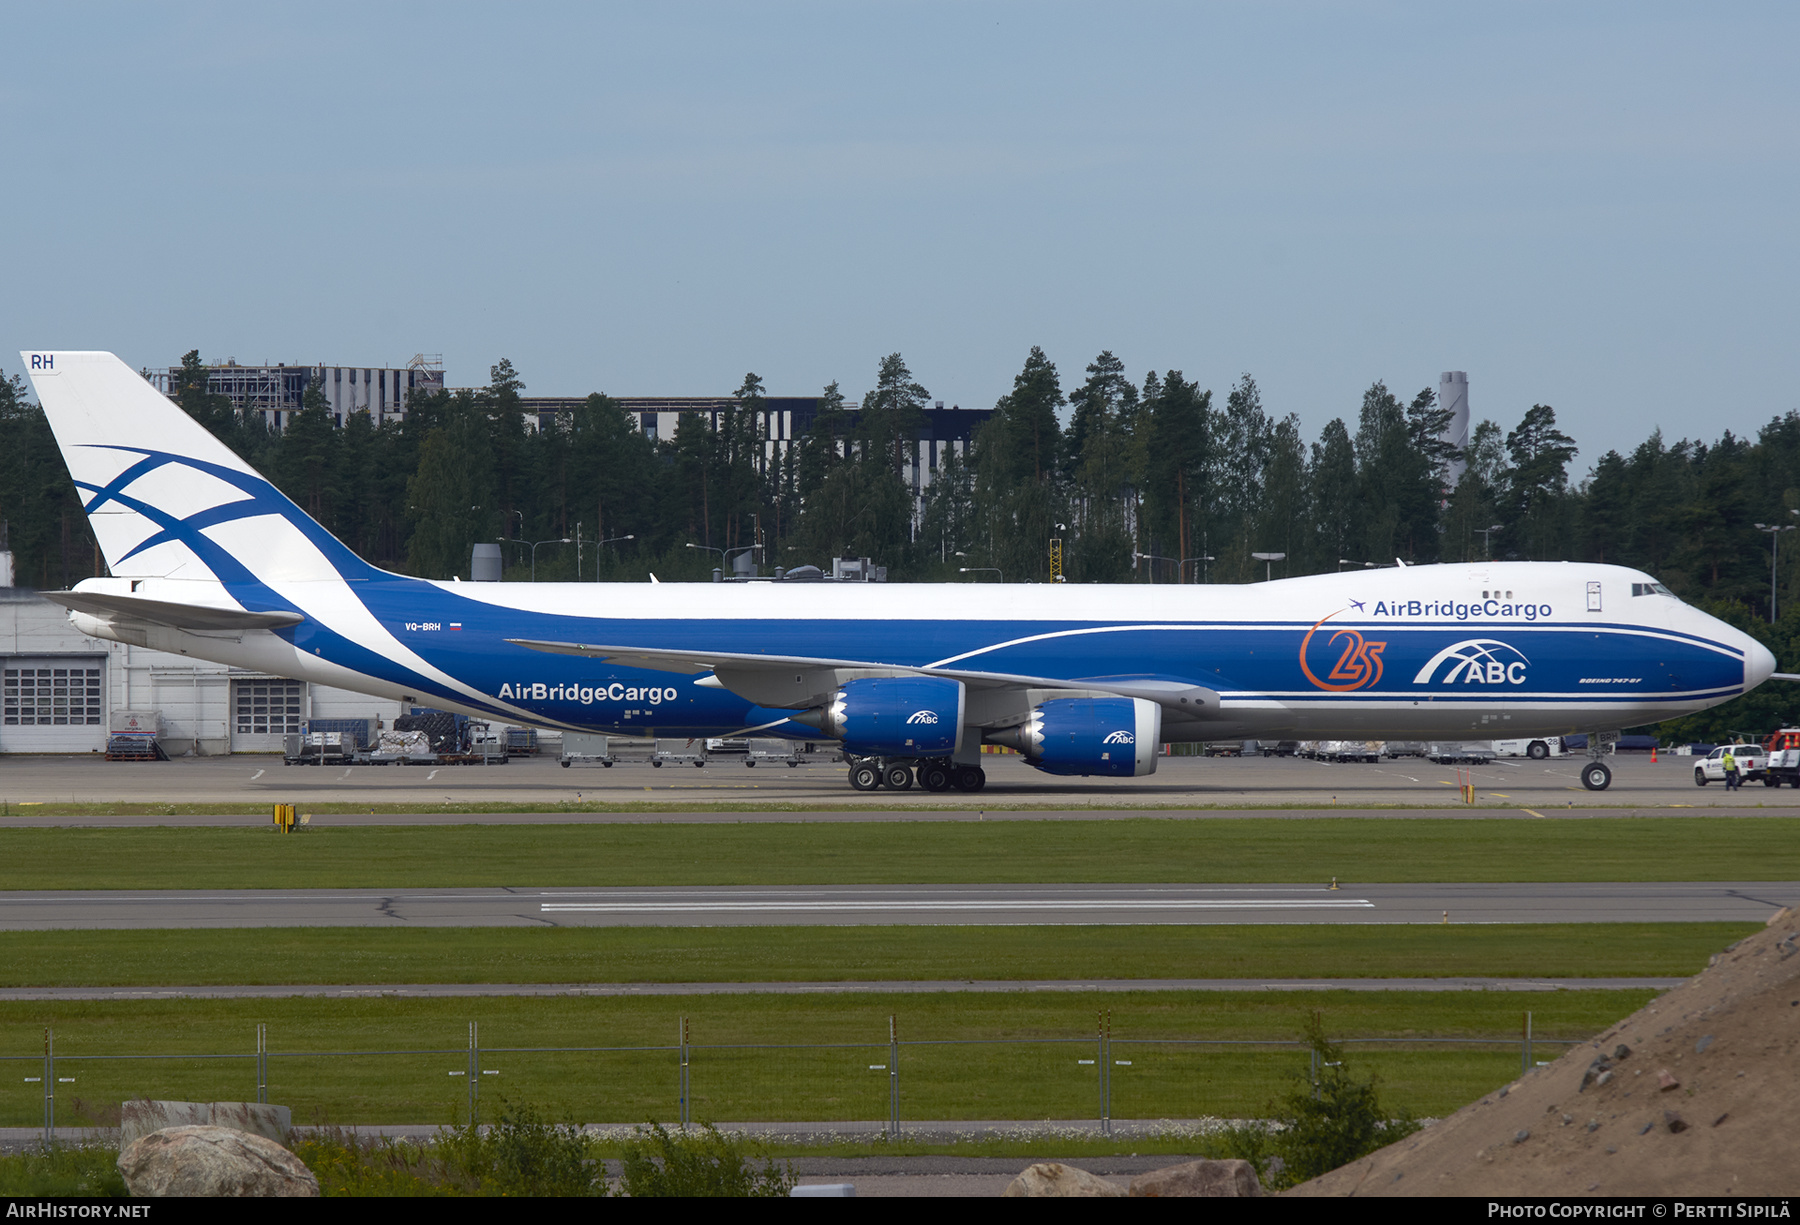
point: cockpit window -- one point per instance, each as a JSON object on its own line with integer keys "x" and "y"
{"x": 1651, "y": 589}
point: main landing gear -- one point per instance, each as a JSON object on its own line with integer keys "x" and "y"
{"x": 937, "y": 774}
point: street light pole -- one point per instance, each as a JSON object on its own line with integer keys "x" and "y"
{"x": 1268, "y": 560}
{"x": 1774, "y": 530}
{"x": 534, "y": 549}
{"x": 1137, "y": 557}
{"x": 597, "y": 544}
{"x": 1204, "y": 557}
{"x": 1487, "y": 551}
{"x": 724, "y": 555}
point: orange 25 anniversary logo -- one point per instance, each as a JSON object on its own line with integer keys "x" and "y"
{"x": 1357, "y": 667}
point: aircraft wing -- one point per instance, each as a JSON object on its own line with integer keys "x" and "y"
{"x": 800, "y": 681}
{"x": 161, "y": 612}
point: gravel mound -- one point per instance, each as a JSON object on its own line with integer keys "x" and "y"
{"x": 1693, "y": 1094}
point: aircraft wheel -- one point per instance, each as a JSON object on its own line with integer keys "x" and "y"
{"x": 748, "y": 764}
{"x": 864, "y": 776}
{"x": 565, "y": 765}
{"x": 898, "y": 778}
{"x": 607, "y": 765}
{"x": 699, "y": 765}
{"x": 934, "y": 776}
{"x": 657, "y": 764}
{"x": 1595, "y": 776}
{"x": 1537, "y": 750}
{"x": 970, "y": 778}
{"x": 1699, "y": 777}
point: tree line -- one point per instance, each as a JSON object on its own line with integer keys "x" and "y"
{"x": 1153, "y": 480}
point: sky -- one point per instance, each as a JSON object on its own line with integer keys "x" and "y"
{"x": 1591, "y": 206}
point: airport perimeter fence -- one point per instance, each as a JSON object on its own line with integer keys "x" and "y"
{"x": 868, "y": 1087}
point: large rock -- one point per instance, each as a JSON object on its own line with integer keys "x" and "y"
{"x": 1595, "y": 1122}
{"x": 212, "y": 1161}
{"x": 1053, "y": 1178}
{"x": 141, "y": 1117}
{"x": 1210, "y": 1179}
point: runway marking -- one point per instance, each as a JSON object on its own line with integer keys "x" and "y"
{"x": 256, "y": 776}
{"x": 343, "y": 776}
{"x": 1023, "y": 904}
{"x": 431, "y": 776}
{"x": 1500, "y": 795}
{"x": 1538, "y": 815}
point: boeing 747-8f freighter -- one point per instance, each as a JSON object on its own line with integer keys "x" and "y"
{"x": 208, "y": 559}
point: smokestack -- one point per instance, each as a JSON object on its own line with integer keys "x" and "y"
{"x": 1453, "y": 394}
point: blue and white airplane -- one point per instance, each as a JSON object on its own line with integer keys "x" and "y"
{"x": 209, "y": 560}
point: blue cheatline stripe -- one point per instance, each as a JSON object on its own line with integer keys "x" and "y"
{"x": 1652, "y": 698}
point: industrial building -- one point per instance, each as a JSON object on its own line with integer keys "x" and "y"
{"x": 278, "y": 392}
{"x": 782, "y": 422}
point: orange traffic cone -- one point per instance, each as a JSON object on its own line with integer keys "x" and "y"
{"x": 1653, "y": 754}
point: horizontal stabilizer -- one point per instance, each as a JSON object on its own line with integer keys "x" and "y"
{"x": 176, "y": 616}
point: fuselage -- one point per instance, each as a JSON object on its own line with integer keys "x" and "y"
{"x": 1463, "y": 651}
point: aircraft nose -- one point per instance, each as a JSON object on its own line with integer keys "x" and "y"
{"x": 1759, "y": 663}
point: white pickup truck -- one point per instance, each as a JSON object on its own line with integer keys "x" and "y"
{"x": 1752, "y": 761}
{"x": 1783, "y": 765}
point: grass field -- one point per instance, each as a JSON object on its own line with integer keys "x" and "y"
{"x": 1137, "y": 850}
{"x": 835, "y": 954}
{"x": 773, "y": 1057}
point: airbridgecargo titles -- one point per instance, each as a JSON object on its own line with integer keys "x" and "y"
{"x": 1491, "y": 610}
{"x": 208, "y": 559}
{"x": 618, "y": 691}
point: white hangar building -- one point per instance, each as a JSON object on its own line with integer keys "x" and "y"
{"x": 63, "y": 692}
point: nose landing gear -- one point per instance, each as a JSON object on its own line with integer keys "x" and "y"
{"x": 1597, "y": 775}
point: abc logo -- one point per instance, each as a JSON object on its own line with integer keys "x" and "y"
{"x": 922, "y": 716}
{"x": 1475, "y": 661}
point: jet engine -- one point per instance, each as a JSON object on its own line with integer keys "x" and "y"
{"x": 1108, "y": 736}
{"x": 893, "y": 716}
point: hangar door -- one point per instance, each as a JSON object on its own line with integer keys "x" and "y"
{"x": 263, "y": 710}
{"x": 53, "y": 704}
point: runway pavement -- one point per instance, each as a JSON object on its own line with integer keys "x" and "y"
{"x": 252, "y": 783}
{"x": 29, "y": 818}
{"x": 243, "y": 788}
{"x": 1612, "y": 902}
{"x": 353, "y": 991}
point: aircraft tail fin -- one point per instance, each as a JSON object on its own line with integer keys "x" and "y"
{"x": 165, "y": 498}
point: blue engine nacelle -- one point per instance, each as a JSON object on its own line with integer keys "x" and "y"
{"x": 1107, "y": 736}
{"x": 894, "y": 716}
